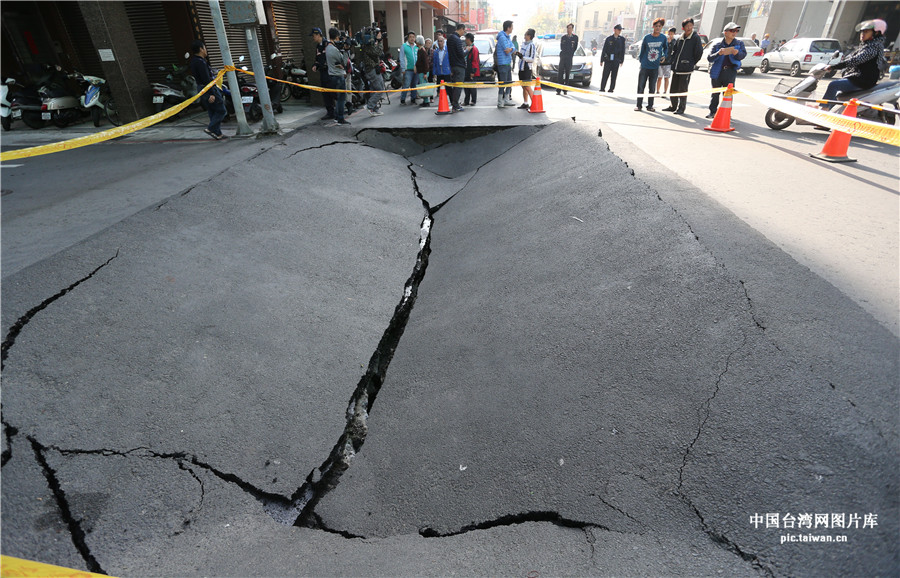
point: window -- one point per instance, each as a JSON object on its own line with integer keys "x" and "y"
{"x": 596, "y": 18}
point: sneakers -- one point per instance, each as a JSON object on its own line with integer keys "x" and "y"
{"x": 342, "y": 121}
{"x": 375, "y": 112}
{"x": 509, "y": 103}
{"x": 651, "y": 109}
{"x": 638, "y": 108}
{"x": 669, "y": 109}
{"x": 459, "y": 109}
{"x": 499, "y": 103}
{"x": 711, "y": 115}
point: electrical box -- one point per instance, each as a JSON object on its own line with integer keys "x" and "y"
{"x": 245, "y": 12}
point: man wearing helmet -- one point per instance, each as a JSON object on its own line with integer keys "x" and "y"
{"x": 861, "y": 70}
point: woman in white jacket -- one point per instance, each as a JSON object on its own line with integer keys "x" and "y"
{"x": 526, "y": 67}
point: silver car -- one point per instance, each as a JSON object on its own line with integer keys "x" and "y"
{"x": 748, "y": 65}
{"x": 801, "y": 54}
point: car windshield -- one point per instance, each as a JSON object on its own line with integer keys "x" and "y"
{"x": 552, "y": 49}
{"x": 483, "y": 45}
{"x": 825, "y": 46}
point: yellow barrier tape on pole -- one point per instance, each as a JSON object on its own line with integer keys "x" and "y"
{"x": 106, "y": 134}
{"x": 11, "y": 567}
{"x": 860, "y": 127}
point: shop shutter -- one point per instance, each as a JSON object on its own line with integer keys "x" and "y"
{"x": 237, "y": 40}
{"x": 153, "y": 38}
{"x": 87, "y": 56}
{"x": 289, "y": 30}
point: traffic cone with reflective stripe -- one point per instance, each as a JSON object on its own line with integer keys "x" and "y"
{"x": 537, "y": 101}
{"x": 722, "y": 122}
{"x": 835, "y": 149}
{"x": 443, "y": 102}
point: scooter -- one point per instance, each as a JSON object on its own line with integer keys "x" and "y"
{"x": 98, "y": 100}
{"x": 58, "y": 104}
{"x": 179, "y": 86}
{"x": 5, "y": 105}
{"x": 293, "y": 74}
{"x": 274, "y": 89}
{"x": 24, "y": 104}
{"x": 880, "y": 94}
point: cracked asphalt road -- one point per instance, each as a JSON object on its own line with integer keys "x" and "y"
{"x": 582, "y": 381}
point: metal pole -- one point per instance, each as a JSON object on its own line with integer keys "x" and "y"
{"x": 269, "y": 124}
{"x": 800, "y": 20}
{"x": 219, "y": 22}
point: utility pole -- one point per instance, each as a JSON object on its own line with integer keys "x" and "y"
{"x": 800, "y": 20}
{"x": 219, "y": 22}
{"x": 269, "y": 124}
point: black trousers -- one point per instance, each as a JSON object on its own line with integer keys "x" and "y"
{"x": 328, "y": 97}
{"x": 726, "y": 76}
{"x": 610, "y": 72}
{"x": 457, "y": 74}
{"x": 565, "y": 70}
{"x": 680, "y": 83}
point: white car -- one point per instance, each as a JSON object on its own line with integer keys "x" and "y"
{"x": 801, "y": 54}
{"x": 748, "y": 65}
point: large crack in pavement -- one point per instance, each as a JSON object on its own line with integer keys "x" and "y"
{"x": 17, "y": 327}
{"x": 554, "y": 518}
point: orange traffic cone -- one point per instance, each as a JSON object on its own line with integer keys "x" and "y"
{"x": 722, "y": 122}
{"x": 835, "y": 149}
{"x": 443, "y": 101}
{"x": 537, "y": 101}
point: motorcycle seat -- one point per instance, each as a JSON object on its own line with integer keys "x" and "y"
{"x": 862, "y": 94}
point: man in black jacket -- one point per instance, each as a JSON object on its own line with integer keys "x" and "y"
{"x": 457, "y": 54}
{"x": 212, "y": 100}
{"x": 568, "y": 44}
{"x": 688, "y": 52}
{"x": 612, "y": 57}
{"x": 321, "y": 66}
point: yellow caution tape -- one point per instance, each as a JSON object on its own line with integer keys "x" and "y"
{"x": 106, "y": 134}
{"x": 853, "y": 126}
{"x": 11, "y": 567}
{"x": 627, "y": 95}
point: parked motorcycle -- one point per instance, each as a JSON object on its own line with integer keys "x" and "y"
{"x": 179, "y": 86}
{"x": 296, "y": 74}
{"x": 59, "y": 104}
{"x": 97, "y": 99}
{"x": 274, "y": 89}
{"x": 881, "y": 94}
{"x": 25, "y": 104}
{"x": 5, "y": 104}
{"x": 249, "y": 96}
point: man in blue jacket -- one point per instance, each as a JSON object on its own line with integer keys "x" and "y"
{"x": 503, "y": 57}
{"x": 725, "y": 61}
{"x": 654, "y": 48}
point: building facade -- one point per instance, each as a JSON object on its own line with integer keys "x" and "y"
{"x": 126, "y": 42}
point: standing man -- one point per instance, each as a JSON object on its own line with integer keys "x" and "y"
{"x": 503, "y": 57}
{"x": 653, "y": 49}
{"x": 665, "y": 64}
{"x": 568, "y": 44}
{"x": 725, "y": 61}
{"x": 753, "y": 38}
{"x": 408, "y": 54}
{"x": 688, "y": 52}
{"x": 373, "y": 68}
{"x": 338, "y": 73}
{"x": 473, "y": 68}
{"x": 456, "y": 48}
{"x": 212, "y": 100}
{"x": 612, "y": 57}
{"x": 321, "y": 66}
{"x": 765, "y": 42}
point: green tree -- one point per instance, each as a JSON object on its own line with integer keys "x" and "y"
{"x": 549, "y": 19}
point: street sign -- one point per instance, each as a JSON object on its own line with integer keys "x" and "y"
{"x": 650, "y": 2}
{"x": 245, "y": 12}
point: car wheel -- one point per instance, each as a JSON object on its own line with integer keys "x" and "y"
{"x": 748, "y": 71}
{"x": 795, "y": 69}
{"x": 764, "y": 66}
{"x": 586, "y": 83}
{"x": 777, "y": 120}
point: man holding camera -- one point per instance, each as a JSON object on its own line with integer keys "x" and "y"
{"x": 373, "y": 68}
{"x": 337, "y": 70}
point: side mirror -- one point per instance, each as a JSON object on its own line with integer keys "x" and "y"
{"x": 837, "y": 54}
{"x": 187, "y": 55}
{"x": 241, "y": 59}
{"x": 10, "y": 81}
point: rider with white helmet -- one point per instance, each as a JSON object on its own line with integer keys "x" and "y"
{"x": 861, "y": 68}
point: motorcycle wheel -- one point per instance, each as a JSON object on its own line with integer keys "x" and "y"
{"x": 286, "y": 92}
{"x": 33, "y": 119}
{"x": 7, "y": 122}
{"x": 776, "y": 120}
{"x": 112, "y": 113}
{"x": 297, "y": 92}
{"x": 96, "y": 115}
{"x": 888, "y": 118}
{"x": 278, "y": 108}
{"x": 60, "y": 119}
{"x": 255, "y": 112}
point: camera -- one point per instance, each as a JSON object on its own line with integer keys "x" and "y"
{"x": 345, "y": 41}
{"x": 367, "y": 35}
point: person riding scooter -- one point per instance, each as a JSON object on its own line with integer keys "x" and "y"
{"x": 862, "y": 66}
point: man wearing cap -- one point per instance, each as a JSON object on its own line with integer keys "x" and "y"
{"x": 688, "y": 52}
{"x": 725, "y": 61}
{"x": 321, "y": 66}
{"x": 612, "y": 57}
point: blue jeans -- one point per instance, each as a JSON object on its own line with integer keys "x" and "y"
{"x": 504, "y": 75}
{"x": 836, "y": 86}
{"x": 216, "y": 110}
{"x": 644, "y": 76}
{"x": 340, "y": 98}
{"x": 410, "y": 80}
